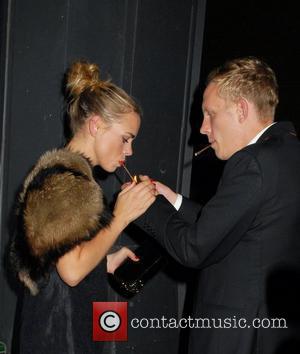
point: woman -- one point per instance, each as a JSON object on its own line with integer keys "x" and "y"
{"x": 64, "y": 232}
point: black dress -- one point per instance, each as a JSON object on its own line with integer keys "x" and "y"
{"x": 61, "y": 206}
{"x": 59, "y": 319}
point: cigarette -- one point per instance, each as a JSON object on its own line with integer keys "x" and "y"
{"x": 200, "y": 151}
{"x": 133, "y": 178}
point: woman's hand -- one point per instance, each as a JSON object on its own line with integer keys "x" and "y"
{"x": 133, "y": 201}
{"x": 114, "y": 260}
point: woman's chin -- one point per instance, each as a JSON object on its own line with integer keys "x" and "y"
{"x": 110, "y": 169}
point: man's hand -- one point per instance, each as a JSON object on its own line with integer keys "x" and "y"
{"x": 162, "y": 189}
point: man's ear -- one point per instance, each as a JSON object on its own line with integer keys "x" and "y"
{"x": 242, "y": 109}
{"x": 94, "y": 125}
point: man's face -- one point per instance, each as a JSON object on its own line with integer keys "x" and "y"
{"x": 221, "y": 123}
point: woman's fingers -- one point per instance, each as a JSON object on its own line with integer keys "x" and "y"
{"x": 130, "y": 254}
{"x": 134, "y": 200}
{"x": 114, "y": 260}
{"x": 124, "y": 185}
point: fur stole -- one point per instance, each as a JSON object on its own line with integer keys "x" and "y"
{"x": 59, "y": 207}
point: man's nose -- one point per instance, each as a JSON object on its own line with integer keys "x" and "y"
{"x": 205, "y": 126}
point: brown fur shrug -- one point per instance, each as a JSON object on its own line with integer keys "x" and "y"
{"x": 59, "y": 207}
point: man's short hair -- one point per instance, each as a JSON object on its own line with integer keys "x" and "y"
{"x": 248, "y": 78}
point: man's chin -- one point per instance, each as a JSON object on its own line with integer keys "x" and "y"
{"x": 223, "y": 156}
{"x": 220, "y": 156}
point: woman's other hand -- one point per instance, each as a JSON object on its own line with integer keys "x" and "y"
{"x": 114, "y": 260}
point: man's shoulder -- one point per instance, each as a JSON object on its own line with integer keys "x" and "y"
{"x": 266, "y": 154}
{"x": 255, "y": 156}
{"x": 242, "y": 162}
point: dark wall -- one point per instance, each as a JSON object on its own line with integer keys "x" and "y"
{"x": 266, "y": 29}
{"x": 150, "y": 48}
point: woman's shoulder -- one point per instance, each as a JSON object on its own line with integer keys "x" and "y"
{"x": 57, "y": 160}
{"x": 59, "y": 207}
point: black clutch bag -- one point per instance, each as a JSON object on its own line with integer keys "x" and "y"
{"x": 130, "y": 277}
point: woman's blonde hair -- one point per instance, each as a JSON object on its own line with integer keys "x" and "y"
{"x": 88, "y": 95}
{"x": 250, "y": 78}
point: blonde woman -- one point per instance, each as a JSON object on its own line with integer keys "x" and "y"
{"x": 64, "y": 231}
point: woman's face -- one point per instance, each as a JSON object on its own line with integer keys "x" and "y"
{"x": 113, "y": 143}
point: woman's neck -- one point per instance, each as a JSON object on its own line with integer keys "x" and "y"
{"x": 82, "y": 145}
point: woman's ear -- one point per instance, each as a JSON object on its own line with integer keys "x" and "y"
{"x": 94, "y": 124}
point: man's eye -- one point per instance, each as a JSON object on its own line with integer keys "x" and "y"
{"x": 125, "y": 140}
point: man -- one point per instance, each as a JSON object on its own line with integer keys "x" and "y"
{"x": 246, "y": 240}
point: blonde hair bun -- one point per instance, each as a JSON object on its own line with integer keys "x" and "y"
{"x": 87, "y": 95}
{"x": 82, "y": 75}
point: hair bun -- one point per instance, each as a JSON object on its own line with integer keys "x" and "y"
{"x": 81, "y": 76}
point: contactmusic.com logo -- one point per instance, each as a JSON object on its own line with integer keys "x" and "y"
{"x": 110, "y": 321}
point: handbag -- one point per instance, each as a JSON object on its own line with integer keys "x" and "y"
{"x": 130, "y": 277}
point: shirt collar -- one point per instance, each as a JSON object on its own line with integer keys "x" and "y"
{"x": 254, "y": 140}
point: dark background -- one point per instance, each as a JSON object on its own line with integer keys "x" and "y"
{"x": 150, "y": 48}
{"x": 269, "y": 30}
{"x": 154, "y": 50}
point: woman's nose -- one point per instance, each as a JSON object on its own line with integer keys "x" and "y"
{"x": 128, "y": 150}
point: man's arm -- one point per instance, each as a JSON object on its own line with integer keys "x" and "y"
{"x": 188, "y": 209}
{"x": 222, "y": 222}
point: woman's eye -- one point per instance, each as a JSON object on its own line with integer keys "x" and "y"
{"x": 125, "y": 140}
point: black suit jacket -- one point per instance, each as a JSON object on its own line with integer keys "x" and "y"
{"x": 246, "y": 243}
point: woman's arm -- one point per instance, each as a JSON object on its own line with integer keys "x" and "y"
{"x": 132, "y": 202}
